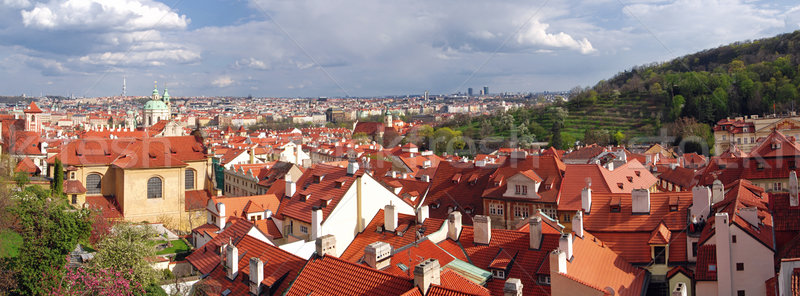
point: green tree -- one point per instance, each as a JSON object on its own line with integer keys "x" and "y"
{"x": 50, "y": 229}
{"x": 57, "y": 185}
{"x": 126, "y": 250}
{"x": 619, "y": 138}
{"x": 21, "y": 179}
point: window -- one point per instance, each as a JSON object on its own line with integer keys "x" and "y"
{"x": 521, "y": 189}
{"x": 659, "y": 255}
{"x": 615, "y": 208}
{"x": 567, "y": 217}
{"x": 777, "y": 186}
{"x": 93, "y": 184}
{"x": 733, "y": 239}
{"x": 740, "y": 293}
{"x": 72, "y": 175}
{"x": 521, "y": 211}
{"x": 544, "y": 279}
{"x": 154, "y": 187}
{"x": 189, "y": 179}
{"x": 74, "y": 198}
{"x": 303, "y": 229}
{"x": 496, "y": 209}
{"x": 499, "y": 274}
{"x": 760, "y": 166}
{"x": 740, "y": 266}
{"x": 739, "y": 141}
{"x": 712, "y": 268}
{"x": 673, "y": 208}
{"x": 694, "y": 249}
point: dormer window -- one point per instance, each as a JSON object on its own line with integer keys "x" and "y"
{"x": 760, "y": 166}
{"x": 521, "y": 189}
{"x": 456, "y": 178}
{"x": 544, "y": 279}
{"x": 776, "y": 146}
{"x": 318, "y": 178}
{"x": 615, "y": 204}
{"x": 499, "y": 274}
{"x": 304, "y": 196}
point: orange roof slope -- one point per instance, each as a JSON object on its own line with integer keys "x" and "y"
{"x": 329, "y": 275}
{"x": 405, "y": 234}
{"x": 320, "y": 183}
{"x": 26, "y": 165}
{"x": 132, "y": 153}
{"x": 205, "y": 258}
{"x": 280, "y": 268}
{"x": 450, "y": 188}
{"x": 599, "y": 267}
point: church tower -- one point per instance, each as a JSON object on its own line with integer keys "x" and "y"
{"x": 33, "y": 118}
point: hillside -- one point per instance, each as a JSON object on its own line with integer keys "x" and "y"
{"x": 743, "y": 78}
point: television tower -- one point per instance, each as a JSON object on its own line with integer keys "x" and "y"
{"x": 124, "y": 87}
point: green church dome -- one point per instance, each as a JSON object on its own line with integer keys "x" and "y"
{"x": 155, "y": 105}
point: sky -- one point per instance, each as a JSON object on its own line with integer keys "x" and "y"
{"x": 349, "y": 48}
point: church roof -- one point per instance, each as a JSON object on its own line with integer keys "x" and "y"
{"x": 155, "y": 105}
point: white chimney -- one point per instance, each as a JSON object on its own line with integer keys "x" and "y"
{"x": 256, "y": 275}
{"x": 231, "y": 260}
{"x": 483, "y": 229}
{"x": 316, "y": 222}
{"x": 389, "y": 218}
{"x": 377, "y": 254}
{"x": 680, "y": 290}
{"x": 701, "y": 202}
{"x": 794, "y": 200}
{"x": 535, "y": 228}
{"x": 558, "y": 262}
{"x": 454, "y": 225}
{"x": 426, "y": 274}
{"x": 352, "y": 167}
{"x": 724, "y": 267}
{"x": 512, "y": 287}
{"x": 422, "y": 214}
{"x": 426, "y": 178}
{"x": 750, "y": 214}
{"x": 640, "y": 199}
{"x": 717, "y": 191}
{"x": 326, "y": 245}
{"x": 291, "y": 187}
{"x": 586, "y": 199}
{"x": 221, "y": 220}
{"x": 577, "y": 224}
{"x": 480, "y": 163}
{"x": 565, "y": 244}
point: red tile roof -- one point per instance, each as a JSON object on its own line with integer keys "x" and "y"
{"x": 513, "y": 243}
{"x": 32, "y": 108}
{"x": 742, "y": 194}
{"x": 576, "y": 178}
{"x": 206, "y": 258}
{"x": 280, "y": 268}
{"x": 196, "y": 199}
{"x": 598, "y": 266}
{"x": 132, "y": 153}
{"x": 451, "y": 279}
{"x": 26, "y": 165}
{"x": 74, "y": 187}
{"x": 107, "y": 205}
{"x": 549, "y": 169}
{"x": 329, "y": 275}
{"x": 586, "y": 153}
{"x": 445, "y": 193}
{"x": 315, "y": 191}
{"x": 706, "y": 256}
{"x": 405, "y": 234}
{"x": 660, "y": 236}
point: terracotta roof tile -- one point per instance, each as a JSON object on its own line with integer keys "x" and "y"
{"x": 206, "y": 258}
{"x": 450, "y": 279}
{"x": 355, "y": 251}
{"x": 74, "y": 187}
{"x": 444, "y": 193}
{"x": 297, "y": 208}
{"x": 706, "y": 263}
{"x": 196, "y": 199}
{"x": 280, "y": 268}
{"x": 329, "y": 275}
{"x": 26, "y": 165}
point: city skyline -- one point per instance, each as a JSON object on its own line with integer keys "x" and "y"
{"x": 316, "y": 48}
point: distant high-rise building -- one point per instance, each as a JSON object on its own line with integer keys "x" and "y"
{"x": 124, "y": 87}
{"x": 469, "y": 91}
{"x": 486, "y": 90}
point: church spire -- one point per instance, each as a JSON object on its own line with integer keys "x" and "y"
{"x": 166, "y": 94}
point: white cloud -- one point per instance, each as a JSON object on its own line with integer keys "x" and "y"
{"x": 223, "y": 81}
{"x": 251, "y": 63}
{"x": 535, "y": 33}
{"x": 117, "y": 15}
